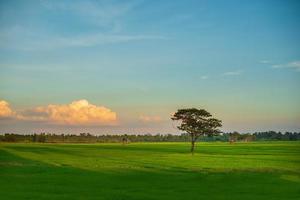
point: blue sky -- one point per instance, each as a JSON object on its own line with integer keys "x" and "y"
{"x": 240, "y": 60}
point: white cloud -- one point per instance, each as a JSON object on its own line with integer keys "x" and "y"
{"x": 79, "y": 112}
{"x": 98, "y": 39}
{"x": 27, "y": 40}
{"x": 264, "y": 61}
{"x": 232, "y": 73}
{"x": 107, "y": 14}
{"x": 291, "y": 65}
{"x": 204, "y": 77}
{"x": 5, "y": 110}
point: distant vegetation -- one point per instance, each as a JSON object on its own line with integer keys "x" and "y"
{"x": 125, "y": 138}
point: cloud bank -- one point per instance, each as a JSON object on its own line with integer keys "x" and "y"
{"x": 79, "y": 112}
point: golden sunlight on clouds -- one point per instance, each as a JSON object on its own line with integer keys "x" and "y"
{"x": 79, "y": 112}
{"x": 145, "y": 118}
{"x": 5, "y": 110}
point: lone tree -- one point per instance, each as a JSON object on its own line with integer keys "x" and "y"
{"x": 197, "y": 122}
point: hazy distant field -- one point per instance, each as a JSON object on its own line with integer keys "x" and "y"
{"x": 150, "y": 171}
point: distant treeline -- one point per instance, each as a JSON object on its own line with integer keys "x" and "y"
{"x": 125, "y": 138}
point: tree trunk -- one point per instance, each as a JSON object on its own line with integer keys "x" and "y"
{"x": 193, "y": 145}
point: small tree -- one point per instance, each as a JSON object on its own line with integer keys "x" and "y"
{"x": 125, "y": 139}
{"x": 197, "y": 122}
{"x": 233, "y": 137}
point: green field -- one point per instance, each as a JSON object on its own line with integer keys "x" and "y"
{"x": 269, "y": 170}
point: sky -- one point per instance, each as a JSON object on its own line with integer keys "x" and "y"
{"x": 109, "y": 67}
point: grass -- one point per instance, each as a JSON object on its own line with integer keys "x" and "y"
{"x": 269, "y": 170}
